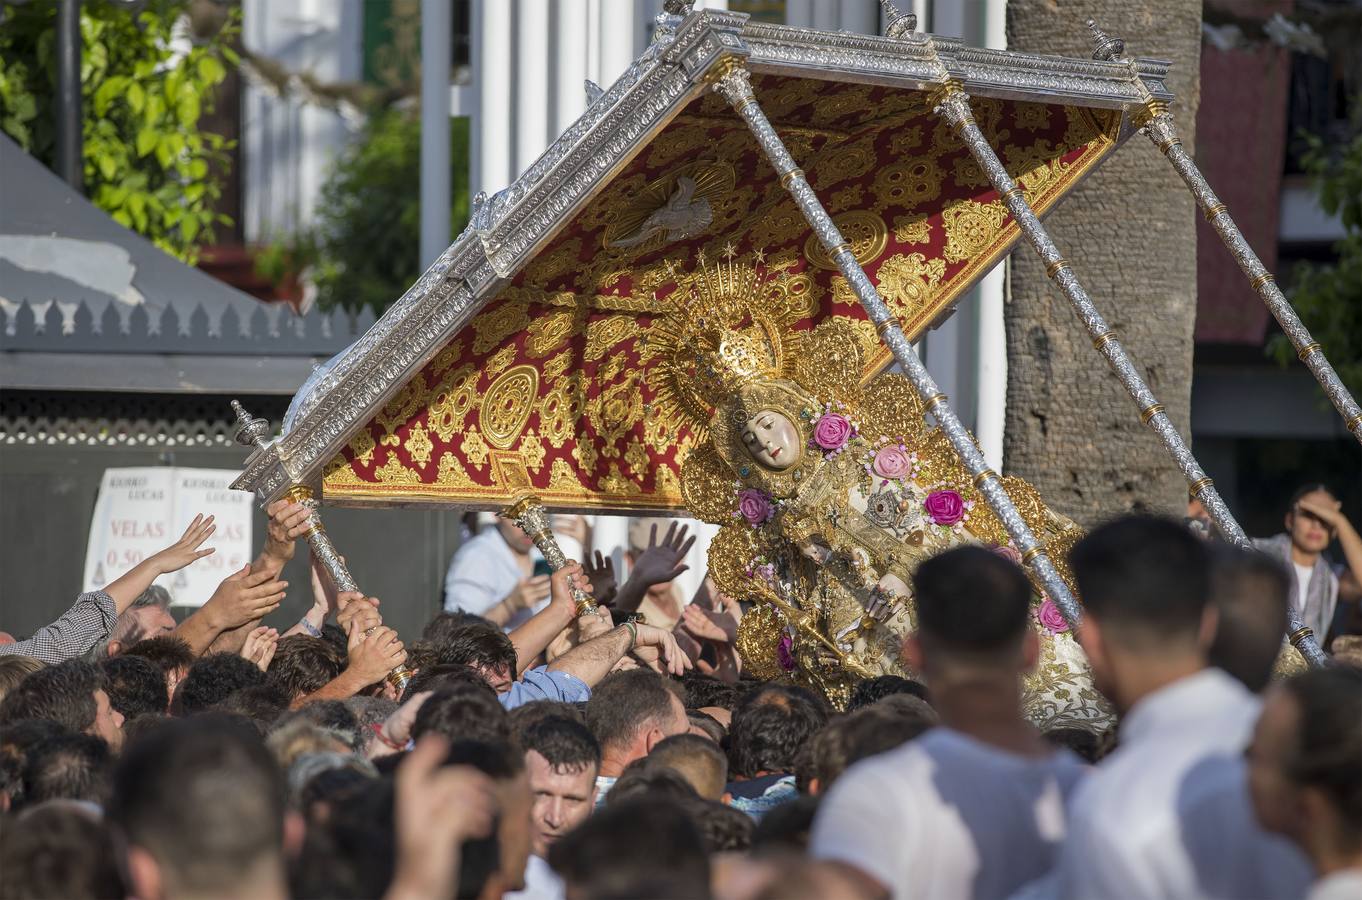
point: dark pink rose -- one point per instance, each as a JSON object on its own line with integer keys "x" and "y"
{"x": 891, "y": 462}
{"x": 831, "y": 431}
{"x": 1008, "y": 553}
{"x": 785, "y": 653}
{"x": 754, "y": 506}
{"x": 945, "y": 507}
{"x": 1051, "y": 619}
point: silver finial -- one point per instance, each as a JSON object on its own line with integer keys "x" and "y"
{"x": 897, "y": 24}
{"x": 678, "y": 8}
{"x": 1106, "y": 48}
{"x": 593, "y": 92}
{"x": 251, "y": 431}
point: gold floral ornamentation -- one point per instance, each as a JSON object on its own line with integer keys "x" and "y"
{"x": 362, "y": 446}
{"x": 561, "y": 408}
{"x": 679, "y": 140}
{"x": 474, "y": 448}
{"x": 831, "y": 364}
{"x": 562, "y": 479}
{"x": 614, "y": 412}
{"x": 507, "y": 405}
{"x": 615, "y": 482}
{"x": 1032, "y": 117}
{"x": 495, "y": 325}
{"x": 892, "y": 408}
{"x": 556, "y": 367}
{"x": 707, "y": 486}
{"x": 849, "y": 197}
{"x": 728, "y": 212}
{"x": 399, "y": 410}
{"x": 905, "y": 139}
{"x": 586, "y": 454}
{"x": 555, "y": 262}
{"x": 418, "y": 445}
{"x": 497, "y": 362}
{"x": 912, "y": 229}
{"x": 666, "y": 484}
{"x": 451, "y": 472}
{"x": 548, "y": 333}
{"x": 636, "y": 455}
{"x": 908, "y": 282}
{"x": 907, "y": 183}
{"x": 447, "y": 357}
{"x": 759, "y": 635}
{"x": 730, "y": 552}
{"x": 968, "y": 173}
{"x": 603, "y": 335}
{"x": 778, "y": 226}
{"x": 393, "y": 472}
{"x": 799, "y": 295}
{"x": 844, "y": 163}
{"x": 970, "y": 227}
{"x": 831, "y": 105}
{"x": 532, "y": 451}
{"x": 863, "y": 230}
{"x": 601, "y": 211}
{"x": 451, "y": 400}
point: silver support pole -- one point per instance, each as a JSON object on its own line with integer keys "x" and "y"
{"x": 435, "y": 201}
{"x": 953, "y": 105}
{"x": 734, "y": 83}
{"x": 1156, "y": 122}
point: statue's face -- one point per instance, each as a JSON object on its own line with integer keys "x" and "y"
{"x": 772, "y": 439}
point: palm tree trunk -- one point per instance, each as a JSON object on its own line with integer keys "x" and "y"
{"x": 1130, "y": 233}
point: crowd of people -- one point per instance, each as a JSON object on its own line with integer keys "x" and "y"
{"x": 523, "y": 751}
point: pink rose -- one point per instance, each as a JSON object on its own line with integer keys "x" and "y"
{"x": 945, "y": 507}
{"x": 831, "y": 431}
{"x": 785, "y": 653}
{"x": 1008, "y": 553}
{"x": 754, "y": 506}
{"x": 1051, "y": 619}
{"x": 891, "y": 462}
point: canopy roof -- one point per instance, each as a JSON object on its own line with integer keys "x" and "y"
{"x": 522, "y": 358}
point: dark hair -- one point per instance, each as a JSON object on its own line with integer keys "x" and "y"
{"x": 68, "y": 767}
{"x": 352, "y": 854}
{"x": 872, "y": 690}
{"x": 478, "y": 644}
{"x": 524, "y": 716}
{"x": 211, "y": 680}
{"x": 698, "y": 759}
{"x": 723, "y": 828}
{"x": 642, "y": 779}
{"x": 167, "y": 652}
{"x": 623, "y": 703}
{"x": 334, "y": 635}
{"x": 642, "y": 848}
{"x": 136, "y": 686}
{"x": 971, "y": 601}
{"x": 1084, "y": 744}
{"x": 303, "y": 664}
{"x": 370, "y": 711}
{"x": 17, "y": 743}
{"x": 712, "y": 727}
{"x": 1146, "y": 578}
{"x": 1329, "y": 740}
{"x": 59, "y": 851}
{"x": 260, "y": 703}
{"x": 64, "y": 693}
{"x": 333, "y": 715}
{"x": 787, "y": 826}
{"x": 706, "y": 690}
{"x": 435, "y": 677}
{"x": 849, "y": 739}
{"x": 480, "y": 858}
{"x": 770, "y": 727}
{"x": 204, "y": 797}
{"x": 1310, "y": 488}
{"x": 469, "y": 712}
{"x": 565, "y": 743}
{"x": 1251, "y": 591}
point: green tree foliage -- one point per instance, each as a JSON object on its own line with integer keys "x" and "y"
{"x": 364, "y": 246}
{"x": 144, "y": 87}
{"x": 1329, "y": 297}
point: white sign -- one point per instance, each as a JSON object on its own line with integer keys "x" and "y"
{"x": 141, "y": 511}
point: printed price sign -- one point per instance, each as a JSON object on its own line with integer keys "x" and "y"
{"x": 143, "y": 510}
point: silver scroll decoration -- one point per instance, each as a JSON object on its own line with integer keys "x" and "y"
{"x": 733, "y": 82}
{"x": 254, "y": 432}
{"x": 953, "y": 105}
{"x": 1156, "y": 122}
{"x": 529, "y": 514}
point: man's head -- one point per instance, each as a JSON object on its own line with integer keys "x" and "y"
{"x": 148, "y": 617}
{"x": 483, "y": 647}
{"x": 770, "y": 727}
{"x": 463, "y": 712}
{"x": 169, "y": 653}
{"x": 697, "y": 759}
{"x": 303, "y": 664}
{"x": 1308, "y": 531}
{"x": 563, "y": 759}
{"x": 973, "y": 611}
{"x": 71, "y": 693}
{"x": 136, "y": 687}
{"x": 59, "y": 850}
{"x": 515, "y": 538}
{"x": 212, "y": 679}
{"x": 1304, "y": 772}
{"x": 438, "y": 677}
{"x": 1145, "y": 586}
{"x": 869, "y": 691}
{"x": 500, "y": 858}
{"x": 68, "y": 767}
{"x": 199, "y": 806}
{"x": 14, "y": 669}
{"x": 630, "y": 712}
{"x": 848, "y": 739}
{"x": 1250, "y": 591}
{"x": 636, "y": 848}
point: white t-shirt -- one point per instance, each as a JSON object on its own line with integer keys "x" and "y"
{"x": 948, "y": 816}
{"x": 1344, "y": 885}
{"x": 1303, "y": 574}
{"x": 541, "y": 882}
{"x": 482, "y": 573}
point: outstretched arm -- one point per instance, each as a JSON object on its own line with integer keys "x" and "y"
{"x": 534, "y": 637}
{"x": 591, "y": 661}
{"x": 130, "y": 585}
{"x": 655, "y": 565}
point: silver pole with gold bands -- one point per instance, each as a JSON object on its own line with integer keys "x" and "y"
{"x": 254, "y": 432}
{"x": 733, "y": 81}
{"x": 953, "y": 105}
{"x": 1156, "y": 122}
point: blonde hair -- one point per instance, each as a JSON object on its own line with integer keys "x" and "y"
{"x": 14, "y": 669}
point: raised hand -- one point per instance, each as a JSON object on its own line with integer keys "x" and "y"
{"x": 707, "y": 625}
{"x": 601, "y": 573}
{"x": 396, "y": 729}
{"x": 243, "y": 597}
{"x": 651, "y": 637}
{"x": 357, "y": 610}
{"x": 374, "y": 656}
{"x": 561, "y": 584}
{"x": 186, "y": 549}
{"x": 1330, "y": 513}
{"x": 527, "y": 592}
{"x": 260, "y": 646}
{"x": 288, "y": 521}
{"x": 662, "y": 562}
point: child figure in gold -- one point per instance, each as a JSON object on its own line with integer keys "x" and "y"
{"x": 831, "y": 492}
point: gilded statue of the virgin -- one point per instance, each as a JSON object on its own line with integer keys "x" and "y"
{"x": 830, "y": 491}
